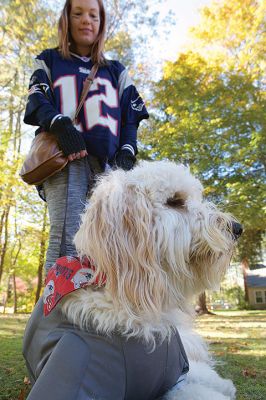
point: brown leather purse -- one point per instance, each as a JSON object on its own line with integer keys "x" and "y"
{"x": 45, "y": 157}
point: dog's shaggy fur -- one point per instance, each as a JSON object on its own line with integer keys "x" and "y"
{"x": 159, "y": 244}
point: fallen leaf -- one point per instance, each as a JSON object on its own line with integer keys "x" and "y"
{"x": 249, "y": 373}
{"x": 26, "y": 380}
{"x": 219, "y": 353}
{"x": 233, "y": 349}
{"x": 21, "y": 395}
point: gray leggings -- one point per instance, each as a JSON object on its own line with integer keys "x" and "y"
{"x": 66, "y": 194}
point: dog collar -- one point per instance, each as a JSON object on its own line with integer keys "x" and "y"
{"x": 67, "y": 275}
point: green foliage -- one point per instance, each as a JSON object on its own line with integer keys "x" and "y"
{"x": 130, "y": 25}
{"x": 235, "y": 296}
{"x": 210, "y": 114}
{"x": 120, "y": 46}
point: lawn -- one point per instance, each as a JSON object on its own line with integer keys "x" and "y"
{"x": 237, "y": 341}
{"x": 12, "y": 369}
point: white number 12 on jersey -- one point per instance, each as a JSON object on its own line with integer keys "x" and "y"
{"x": 92, "y": 106}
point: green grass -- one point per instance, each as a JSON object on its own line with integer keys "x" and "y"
{"x": 12, "y": 368}
{"x": 237, "y": 341}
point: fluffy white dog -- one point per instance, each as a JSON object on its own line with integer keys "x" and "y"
{"x": 157, "y": 244}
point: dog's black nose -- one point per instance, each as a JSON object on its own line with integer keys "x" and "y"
{"x": 237, "y": 229}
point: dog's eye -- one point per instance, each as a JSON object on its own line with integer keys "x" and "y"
{"x": 176, "y": 201}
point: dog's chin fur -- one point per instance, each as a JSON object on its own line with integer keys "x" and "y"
{"x": 159, "y": 244}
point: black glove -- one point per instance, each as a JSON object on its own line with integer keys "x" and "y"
{"x": 125, "y": 159}
{"x": 70, "y": 139}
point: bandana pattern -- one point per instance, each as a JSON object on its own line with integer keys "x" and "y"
{"x": 67, "y": 275}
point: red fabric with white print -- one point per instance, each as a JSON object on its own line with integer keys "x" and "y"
{"x": 67, "y": 275}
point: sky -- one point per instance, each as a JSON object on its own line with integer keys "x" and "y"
{"x": 186, "y": 15}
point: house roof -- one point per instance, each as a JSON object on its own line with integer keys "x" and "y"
{"x": 256, "y": 277}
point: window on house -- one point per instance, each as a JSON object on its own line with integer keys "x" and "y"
{"x": 259, "y": 298}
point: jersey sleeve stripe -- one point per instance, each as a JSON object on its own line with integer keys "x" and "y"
{"x": 40, "y": 64}
{"x": 128, "y": 147}
{"x": 123, "y": 82}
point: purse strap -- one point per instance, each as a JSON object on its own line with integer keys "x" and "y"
{"x": 86, "y": 87}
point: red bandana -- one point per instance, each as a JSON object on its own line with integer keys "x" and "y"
{"x": 66, "y": 275}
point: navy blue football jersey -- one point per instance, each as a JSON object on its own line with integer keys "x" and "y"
{"x": 111, "y": 112}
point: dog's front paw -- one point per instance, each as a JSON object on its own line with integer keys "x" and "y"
{"x": 204, "y": 375}
{"x": 228, "y": 389}
{"x": 194, "y": 391}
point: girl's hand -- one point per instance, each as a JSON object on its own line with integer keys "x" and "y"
{"x": 124, "y": 159}
{"x": 71, "y": 140}
{"x": 77, "y": 156}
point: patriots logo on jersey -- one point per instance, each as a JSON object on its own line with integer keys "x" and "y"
{"x": 39, "y": 88}
{"x": 83, "y": 70}
{"x": 137, "y": 104}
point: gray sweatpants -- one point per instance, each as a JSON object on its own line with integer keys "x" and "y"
{"x": 66, "y": 194}
{"x": 66, "y": 363}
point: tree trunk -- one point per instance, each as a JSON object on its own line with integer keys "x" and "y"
{"x": 5, "y": 299}
{"x": 14, "y": 262}
{"x": 15, "y": 293}
{"x": 9, "y": 289}
{"x": 4, "y": 246}
{"x": 202, "y": 307}
{"x": 245, "y": 268}
{"x": 41, "y": 256}
{"x": 2, "y": 222}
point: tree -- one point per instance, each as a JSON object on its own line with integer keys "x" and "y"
{"x": 42, "y": 254}
{"x": 210, "y": 113}
{"x": 237, "y": 44}
{"x": 26, "y": 28}
{"x": 25, "y": 25}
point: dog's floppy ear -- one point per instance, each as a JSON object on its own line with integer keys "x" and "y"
{"x": 178, "y": 200}
{"x": 117, "y": 232}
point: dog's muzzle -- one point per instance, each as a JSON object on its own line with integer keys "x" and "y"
{"x": 237, "y": 230}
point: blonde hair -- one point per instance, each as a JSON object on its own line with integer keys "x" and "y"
{"x": 65, "y": 39}
{"x": 127, "y": 252}
{"x": 158, "y": 244}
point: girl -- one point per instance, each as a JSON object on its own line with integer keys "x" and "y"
{"x": 106, "y": 131}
